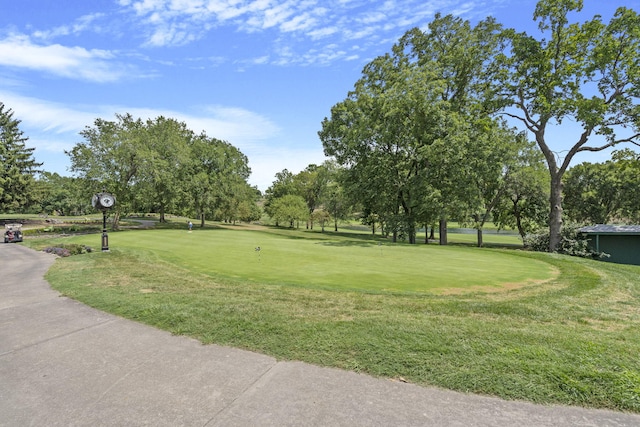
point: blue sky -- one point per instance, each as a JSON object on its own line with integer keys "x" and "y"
{"x": 260, "y": 74}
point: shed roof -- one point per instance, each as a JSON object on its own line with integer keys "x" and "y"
{"x": 611, "y": 229}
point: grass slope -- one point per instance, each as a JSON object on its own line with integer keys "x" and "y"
{"x": 573, "y": 339}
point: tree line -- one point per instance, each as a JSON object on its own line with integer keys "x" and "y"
{"x": 423, "y": 133}
{"x": 157, "y": 165}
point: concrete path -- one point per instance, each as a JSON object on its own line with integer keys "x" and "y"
{"x": 65, "y": 364}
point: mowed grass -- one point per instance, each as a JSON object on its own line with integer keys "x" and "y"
{"x": 333, "y": 262}
{"x": 546, "y": 328}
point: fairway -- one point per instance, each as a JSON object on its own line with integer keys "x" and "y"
{"x": 310, "y": 259}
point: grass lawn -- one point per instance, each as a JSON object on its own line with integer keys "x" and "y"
{"x": 538, "y": 327}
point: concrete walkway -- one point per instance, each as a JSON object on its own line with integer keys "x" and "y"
{"x": 65, "y": 364}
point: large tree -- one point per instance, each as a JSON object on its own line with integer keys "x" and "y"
{"x": 216, "y": 181}
{"x": 165, "y": 150}
{"x": 17, "y": 165}
{"x": 111, "y": 158}
{"x": 586, "y": 74}
{"x": 410, "y": 110}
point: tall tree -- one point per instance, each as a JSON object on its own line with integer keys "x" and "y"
{"x": 165, "y": 150}
{"x": 17, "y": 165}
{"x": 583, "y": 73}
{"x": 216, "y": 179}
{"x": 112, "y": 157}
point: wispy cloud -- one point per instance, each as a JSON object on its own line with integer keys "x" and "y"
{"x": 303, "y": 23}
{"x": 97, "y": 65}
{"x": 84, "y": 23}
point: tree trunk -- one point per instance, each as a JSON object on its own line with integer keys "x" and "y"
{"x": 443, "y": 232}
{"x": 201, "y": 219}
{"x": 116, "y": 220}
{"x": 555, "y": 214}
{"x": 479, "y": 234}
{"x": 426, "y": 234}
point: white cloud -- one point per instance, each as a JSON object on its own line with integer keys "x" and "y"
{"x": 81, "y": 24}
{"x": 301, "y": 24}
{"x": 18, "y": 51}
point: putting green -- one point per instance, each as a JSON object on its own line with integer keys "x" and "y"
{"x": 334, "y": 262}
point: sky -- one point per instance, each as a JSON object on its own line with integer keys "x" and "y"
{"x": 259, "y": 74}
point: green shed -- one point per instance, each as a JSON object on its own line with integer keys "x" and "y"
{"x": 621, "y": 242}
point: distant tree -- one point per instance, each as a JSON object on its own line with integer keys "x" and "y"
{"x": 585, "y": 73}
{"x": 592, "y": 193}
{"x": 628, "y": 171}
{"x": 283, "y": 185}
{"x": 599, "y": 193}
{"x": 63, "y": 195}
{"x": 289, "y": 209}
{"x": 17, "y": 165}
{"x": 311, "y": 183}
{"x": 526, "y": 200}
{"x": 405, "y": 132}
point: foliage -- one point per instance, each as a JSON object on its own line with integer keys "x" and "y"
{"x": 289, "y": 209}
{"x": 526, "y": 201}
{"x": 17, "y": 165}
{"x": 414, "y": 135}
{"x": 572, "y": 242}
{"x": 62, "y": 195}
{"x": 585, "y": 73}
{"x": 160, "y": 165}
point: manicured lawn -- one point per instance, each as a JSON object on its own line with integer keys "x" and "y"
{"x": 553, "y": 329}
{"x": 332, "y": 262}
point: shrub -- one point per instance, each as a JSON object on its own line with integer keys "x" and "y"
{"x": 69, "y": 249}
{"x": 572, "y": 242}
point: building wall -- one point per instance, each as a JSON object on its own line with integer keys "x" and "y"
{"x": 624, "y": 249}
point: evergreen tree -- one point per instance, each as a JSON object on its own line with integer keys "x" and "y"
{"x": 17, "y": 165}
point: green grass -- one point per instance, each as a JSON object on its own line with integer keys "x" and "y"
{"x": 562, "y": 330}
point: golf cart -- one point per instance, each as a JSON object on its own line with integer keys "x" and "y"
{"x": 12, "y": 233}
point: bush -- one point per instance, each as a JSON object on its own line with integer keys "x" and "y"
{"x": 69, "y": 249}
{"x": 572, "y": 242}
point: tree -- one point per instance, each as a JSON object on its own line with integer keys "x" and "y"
{"x": 289, "y": 208}
{"x": 405, "y": 128}
{"x": 216, "y": 180}
{"x": 17, "y": 165}
{"x": 584, "y": 73}
{"x": 627, "y": 172}
{"x": 524, "y": 206}
{"x": 63, "y": 195}
{"x": 283, "y": 185}
{"x": 592, "y": 193}
{"x": 165, "y": 152}
{"x": 111, "y": 158}
{"x": 495, "y": 162}
{"x": 311, "y": 184}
